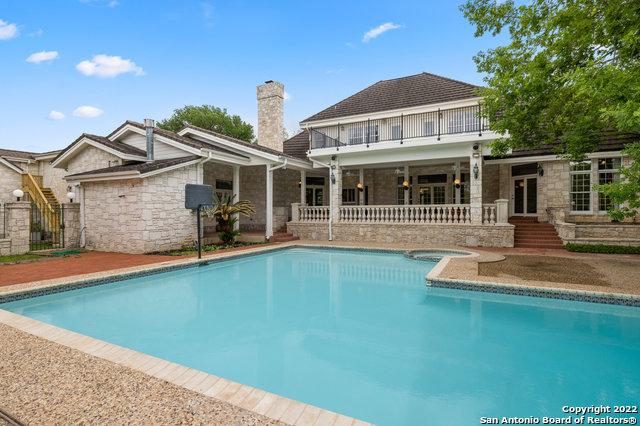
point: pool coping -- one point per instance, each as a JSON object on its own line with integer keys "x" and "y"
{"x": 434, "y": 279}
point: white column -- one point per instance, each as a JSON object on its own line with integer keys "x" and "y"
{"x": 476, "y": 188}
{"x": 269, "y": 204}
{"x": 457, "y": 189}
{"x": 236, "y": 193}
{"x": 303, "y": 186}
{"x": 406, "y": 192}
{"x": 361, "y": 193}
{"x": 335, "y": 174}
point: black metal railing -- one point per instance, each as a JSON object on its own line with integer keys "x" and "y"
{"x": 400, "y": 128}
{"x": 46, "y": 226}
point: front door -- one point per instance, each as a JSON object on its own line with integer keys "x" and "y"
{"x": 315, "y": 195}
{"x": 524, "y": 196}
{"x": 433, "y": 194}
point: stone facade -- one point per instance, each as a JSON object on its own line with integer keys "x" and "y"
{"x": 617, "y": 234}
{"x": 71, "y": 213}
{"x": 271, "y": 115}
{"x": 18, "y": 226}
{"x": 91, "y": 158}
{"x": 428, "y": 234}
{"x": 9, "y": 180}
{"x": 140, "y": 215}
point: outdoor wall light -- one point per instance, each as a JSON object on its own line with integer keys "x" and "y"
{"x": 456, "y": 181}
{"x": 360, "y": 186}
{"x": 299, "y": 184}
{"x": 333, "y": 178}
{"x": 476, "y": 171}
{"x": 540, "y": 170}
{"x": 18, "y": 193}
{"x": 405, "y": 185}
{"x": 71, "y": 196}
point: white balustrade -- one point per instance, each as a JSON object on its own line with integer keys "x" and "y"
{"x": 313, "y": 213}
{"x": 489, "y": 214}
{"x": 437, "y": 213}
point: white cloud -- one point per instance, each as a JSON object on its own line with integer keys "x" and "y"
{"x": 336, "y": 71}
{"x": 36, "y": 33}
{"x": 106, "y": 66}
{"x": 112, "y": 3}
{"x": 379, "y": 30}
{"x": 44, "y": 56}
{"x": 86, "y": 111}
{"x": 56, "y": 115}
{"x": 7, "y": 30}
{"x": 287, "y": 96}
{"x": 207, "y": 12}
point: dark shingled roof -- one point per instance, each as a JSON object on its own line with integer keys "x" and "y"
{"x": 17, "y": 154}
{"x": 404, "y": 92}
{"x": 241, "y": 142}
{"x": 298, "y": 145}
{"x": 139, "y": 167}
{"x": 120, "y": 147}
{"x": 609, "y": 142}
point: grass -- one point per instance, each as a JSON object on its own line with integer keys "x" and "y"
{"x": 190, "y": 250}
{"x": 17, "y": 258}
{"x": 601, "y": 248}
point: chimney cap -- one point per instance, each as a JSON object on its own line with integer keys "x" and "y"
{"x": 268, "y": 81}
{"x": 149, "y": 122}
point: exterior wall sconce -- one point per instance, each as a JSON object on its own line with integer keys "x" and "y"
{"x": 333, "y": 178}
{"x": 18, "y": 193}
{"x": 299, "y": 184}
{"x": 405, "y": 185}
{"x": 71, "y": 196}
{"x": 360, "y": 186}
{"x": 476, "y": 171}
{"x": 540, "y": 170}
{"x": 457, "y": 183}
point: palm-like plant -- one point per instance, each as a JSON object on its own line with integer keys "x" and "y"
{"x": 224, "y": 211}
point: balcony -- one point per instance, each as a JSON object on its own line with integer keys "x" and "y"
{"x": 464, "y": 120}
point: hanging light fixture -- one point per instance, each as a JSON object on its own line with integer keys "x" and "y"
{"x": 360, "y": 186}
{"x": 540, "y": 170}
{"x": 405, "y": 185}
{"x": 456, "y": 182}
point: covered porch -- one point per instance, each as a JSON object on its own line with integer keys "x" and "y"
{"x": 450, "y": 201}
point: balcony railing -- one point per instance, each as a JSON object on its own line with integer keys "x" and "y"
{"x": 400, "y": 128}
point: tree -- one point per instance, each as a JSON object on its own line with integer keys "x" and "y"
{"x": 569, "y": 73}
{"x": 624, "y": 193}
{"x": 210, "y": 118}
{"x": 224, "y": 211}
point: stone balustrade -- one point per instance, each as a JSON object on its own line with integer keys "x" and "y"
{"x": 439, "y": 213}
{"x": 313, "y": 214}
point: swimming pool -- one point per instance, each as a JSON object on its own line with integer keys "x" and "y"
{"x": 358, "y": 333}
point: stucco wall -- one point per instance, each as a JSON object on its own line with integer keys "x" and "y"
{"x": 140, "y": 215}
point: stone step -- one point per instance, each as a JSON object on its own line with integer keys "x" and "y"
{"x": 539, "y": 245}
{"x": 537, "y": 238}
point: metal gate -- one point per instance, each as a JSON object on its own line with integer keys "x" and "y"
{"x": 46, "y": 229}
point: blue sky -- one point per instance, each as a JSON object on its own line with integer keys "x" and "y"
{"x": 131, "y": 59}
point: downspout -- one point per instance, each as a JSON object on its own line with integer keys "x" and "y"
{"x": 328, "y": 166}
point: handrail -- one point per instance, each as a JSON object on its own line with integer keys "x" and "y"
{"x": 30, "y": 184}
{"x": 401, "y": 127}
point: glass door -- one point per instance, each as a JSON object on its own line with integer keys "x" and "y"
{"x": 525, "y": 196}
{"x": 315, "y": 195}
{"x": 433, "y": 194}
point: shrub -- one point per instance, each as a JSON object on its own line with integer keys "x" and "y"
{"x": 601, "y": 248}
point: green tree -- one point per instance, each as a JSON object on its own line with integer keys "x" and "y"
{"x": 210, "y": 118}
{"x": 568, "y": 73}
{"x": 624, "y": 193}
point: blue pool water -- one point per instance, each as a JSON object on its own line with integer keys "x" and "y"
{"x": 358, "y": 333}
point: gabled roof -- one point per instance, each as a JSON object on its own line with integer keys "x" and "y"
{"x": 11, "y": 153}
{"x": 298, "y": 145}
{"x": 141, "y": 168}
{"x": 116, "y": 146}
{"x": 241, "y": 142}
{"x": 404, "y": 92}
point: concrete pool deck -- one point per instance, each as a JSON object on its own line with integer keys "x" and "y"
{"x": 52, "y": 375}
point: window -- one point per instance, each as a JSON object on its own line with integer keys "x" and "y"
{"x": 396, "y": 133}
{"x": 224, "y": 184}
{"x": 465, "y": 196}
{"x": 429, "y": 128}
{"x": 580, "y": 173}
{"x": 471, "y": 122}
{"x": 360, "y": 133}
{"x": 608, "y": 171}
{"x": 524, "y": 169}
{"x": 437, "y": 178}
{"x": 456, "y": 122}
{"x": 355, "y": 135}
{"x": 348, "y": 195}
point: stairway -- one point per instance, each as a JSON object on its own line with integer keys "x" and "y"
{"x": 529, "y": 233}
{"x": 51, "y": 198}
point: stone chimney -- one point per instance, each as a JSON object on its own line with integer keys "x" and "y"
{"x": 271, "y": 114}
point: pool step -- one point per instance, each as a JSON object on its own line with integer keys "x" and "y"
{"x": 531, "y": 234}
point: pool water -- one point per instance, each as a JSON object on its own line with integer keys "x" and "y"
{"x": 360, "y": 334}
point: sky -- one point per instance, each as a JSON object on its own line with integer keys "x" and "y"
{"x": 74, "y": 66}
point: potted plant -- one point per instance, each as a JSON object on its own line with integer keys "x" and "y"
{"x": 224, "y": 211}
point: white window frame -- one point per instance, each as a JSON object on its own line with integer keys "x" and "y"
{"x": 589, "y": 191}
{"x": 615, "y": 171}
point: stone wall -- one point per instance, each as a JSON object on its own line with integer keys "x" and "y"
{"x": 428, "y": 234}
{"x": 5, "y": 247}
{"x": 617, "y": 234}
{"x": 71, "y": 213}
{"x": 54, "y": 178}
{"x": 140, "y": 215}
{"x": 18, "y": 226}
{"x": 91, "y": 158}
{"x": 9, "y": 181}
